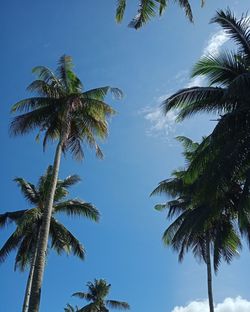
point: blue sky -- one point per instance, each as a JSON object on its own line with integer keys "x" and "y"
{"x": 125, "y": 247}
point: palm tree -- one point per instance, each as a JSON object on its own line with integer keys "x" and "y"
{"x": 28, "y": 221}
{"x": 226, "y": 151}
{"x": 204, "y": 227}
{"x": 97, "y": 292}
{"x": 66, "y": 114}
{"x": 148, "y": 9}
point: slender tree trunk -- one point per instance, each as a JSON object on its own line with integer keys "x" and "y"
{"x": 209, "y": 277}
{"x": 44, "y": 237}
{"x": 30, "y": 278}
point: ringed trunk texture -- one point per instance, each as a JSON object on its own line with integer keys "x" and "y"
{"x": 44, "y": 237}
{"x": 30, "y": 278}
{"x": 209, "y": 278}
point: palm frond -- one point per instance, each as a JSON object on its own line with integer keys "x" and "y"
{"x": 238, "y": 30}
{"x": 11, "y": 244}
{"x": 11, "y": 217}
{"x": 196, "y": 99}
{"x": 221, "y": 69}
{"x": 28, "y": 190}
{"x": 187, "y": 8}
{"x": 78, "y": 208}
{"x": 114, "y": 304}
{"x": 62, "y": 240}
{"x": 145, "y": 12}
{"x": 24, "y": 254}
{"x": 120, "y": 9}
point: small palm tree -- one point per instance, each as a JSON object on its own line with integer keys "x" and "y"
{"x": 204, "y": 227}
{"x": 28, "y": 221}
{"x": 97, "y": 292}
{"x": 150, "y": 8}
{"x": 66, "y": 114}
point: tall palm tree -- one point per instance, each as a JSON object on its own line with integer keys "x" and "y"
{"x": 97, "y": 292}
{"x": 204, "y": 227}
{"x": 66, "y": 114}
{"x": 28, "y": 221}
{"x": 148, "y": 9}
{"x": 226, "y": 151}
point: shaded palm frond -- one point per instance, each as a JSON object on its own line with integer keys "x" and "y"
{"x": 114, "y": 304}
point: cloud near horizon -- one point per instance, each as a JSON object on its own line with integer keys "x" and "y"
{"x": 237, "y": 304}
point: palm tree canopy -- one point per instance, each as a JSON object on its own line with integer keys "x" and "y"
{"x": 96, "y": 294}
{"x": 197, "y": 221}
{"x": 226, "y": 151}
{"x": 63, "y": 111}
{"x": 150, "y": 8}
{"x": 29, "y": 221}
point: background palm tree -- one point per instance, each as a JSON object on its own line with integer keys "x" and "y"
{"x": 97, "y": 292}
{"x": 205, "y": 227}
{"x": 148, "y": 9}
{"x": 25, "y": 237}
{"x": 225, "y": 154}
{"x": 63, "y": 112}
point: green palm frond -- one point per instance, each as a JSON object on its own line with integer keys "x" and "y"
{"x": 91, "y": 307}
{"x": 11, "y": 217}
{"x": 78, "y": 208}
{"x": 62, "y": 240}
{"x": 221, "y": 69}
{"x": 11, "y": 244}
{"x": 69, "y": 181}
{"x": 145, "y": 12}
{"x": 28, "y": 190}
{"x": 38, "y": 118}
{"x": 113, "y": 304}
{"x": 120, "y": 9}
{"x": 238, "y": 30}
{"x": 197, "y": 99}
{"x": 82, "y": 295}
{"x": 100, "y": 93}
{"x": 25, "y": 252}
{"x": 33, "y": 103}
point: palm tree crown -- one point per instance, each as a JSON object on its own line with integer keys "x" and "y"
{"x": 97, "y": 292}
{"x": 28, "y": 221}
{"x": 63, "y": 111}
{"x": 205, "y": 227}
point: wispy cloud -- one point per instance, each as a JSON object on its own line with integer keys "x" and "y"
{"x": 228, "y": 305}
{"x": 160, "y": 125}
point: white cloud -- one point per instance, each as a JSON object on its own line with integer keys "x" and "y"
{"x": 161, "y": 125}
{"x": 228, "y": 305}
{"x": 215, "y": 42}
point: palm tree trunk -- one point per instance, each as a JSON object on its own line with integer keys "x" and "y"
{"x": 44, "y": 237}
{"x": 30, "y": 278}
{"x": 209, "y": 277}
